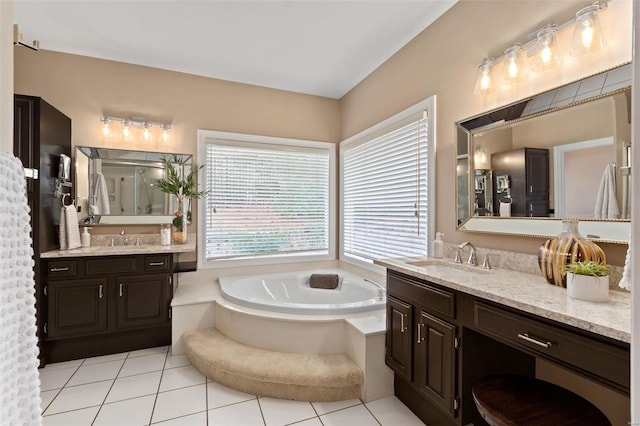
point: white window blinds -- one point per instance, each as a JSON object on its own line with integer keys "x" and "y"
{"x": 385, "y": 194}
{"x": 265, "y": 200}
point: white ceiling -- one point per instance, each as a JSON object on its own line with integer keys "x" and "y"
{"x": 317, "y": 47}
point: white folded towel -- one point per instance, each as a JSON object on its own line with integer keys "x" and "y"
{"x": 606, "y": 201}
{"x": 69, "y": 230}
{"x": 100, "y": 195}
{"x": 627, "y": 272}
{"x": 19, "y": 381}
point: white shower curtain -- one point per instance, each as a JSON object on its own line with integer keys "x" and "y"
{"x": 19, "y": 381}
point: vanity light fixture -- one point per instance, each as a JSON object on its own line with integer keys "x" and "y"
{"x": 135, "y": 127}
{"x": 587, "y": 34}
{"x": 542, "y": 50}
{"x": 484, "y": 84}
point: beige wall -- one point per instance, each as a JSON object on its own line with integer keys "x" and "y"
{"x": 443, "y": 60}
{"x": 6, "y": 76}
{"x": 86, "y": 88}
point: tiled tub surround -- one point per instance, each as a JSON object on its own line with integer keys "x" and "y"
{"x": 528, "y": 292}
{"x": 361, "y": 336}
{"x": 149, "y": 244}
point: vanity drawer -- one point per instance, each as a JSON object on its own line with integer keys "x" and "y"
{"x": 109, "y": 264}
{"x": 573, "y": 350}
{"x": 436, "y": 300}
{"x": 62, "y": 268}
{"x": 156, "y": 263}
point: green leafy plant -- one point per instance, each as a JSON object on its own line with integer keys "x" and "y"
{"x": 181, "y": 187}
{"x": 590, "y": 267}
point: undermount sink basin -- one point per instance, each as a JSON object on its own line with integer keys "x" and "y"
{"x": 447, "y": 265}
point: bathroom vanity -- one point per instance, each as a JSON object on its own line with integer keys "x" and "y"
{"x": 449, "y": 325}
{"x": 102, "y": 300}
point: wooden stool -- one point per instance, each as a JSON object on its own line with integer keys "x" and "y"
{"x": 510, "y": 400}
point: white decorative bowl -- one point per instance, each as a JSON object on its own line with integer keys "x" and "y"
{"x": 587, "y": 287}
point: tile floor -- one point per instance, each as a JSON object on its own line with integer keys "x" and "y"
{"x": 152, "y": 387}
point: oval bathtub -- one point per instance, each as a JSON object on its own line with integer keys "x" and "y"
{"x": 290, "y": 292}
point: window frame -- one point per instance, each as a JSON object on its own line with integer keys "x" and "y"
{"x": 207, "y": 136}
{"x": 386, "y": 126}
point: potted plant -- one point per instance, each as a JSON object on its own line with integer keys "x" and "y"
{"x": 184, "y": 188}
{"x": 588, "y": 280}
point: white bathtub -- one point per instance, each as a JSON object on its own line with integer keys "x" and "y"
{"x": 290, "y": 292}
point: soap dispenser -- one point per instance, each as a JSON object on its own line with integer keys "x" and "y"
{"x": 85, "y": 237}
{"x": 438, "y": 246}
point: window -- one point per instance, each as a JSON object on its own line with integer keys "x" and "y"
{"x": 387, "y": 179}
{"x": 268, "y": 200}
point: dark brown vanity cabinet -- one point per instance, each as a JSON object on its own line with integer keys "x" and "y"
{"x": 399, "y": 339}
{"x": 106, "y": 304}
{"x": 527, "y": 181}
{"x": 420, "y": 345}
{"x": 440, "y": 342}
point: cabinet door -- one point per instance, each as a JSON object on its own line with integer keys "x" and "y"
{"x": 76, "y": 307}
{"x": 143, "y": 300}
{"x": 435, "y": 361}
{"x": 398, "y": 339}
{"x": 538, "y": 208}
{"x": 537, "y": 168}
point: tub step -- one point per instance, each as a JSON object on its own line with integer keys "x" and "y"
{"x": 301, "y": 377}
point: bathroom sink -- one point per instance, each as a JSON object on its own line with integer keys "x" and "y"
{"x": 446, "y": 265}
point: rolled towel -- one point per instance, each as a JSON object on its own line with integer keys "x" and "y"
{"x": 328, "y": 281}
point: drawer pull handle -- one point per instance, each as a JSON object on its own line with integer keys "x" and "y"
{"x": 526, "y": 338}
{"x": 65, "y": 268}
{"x": 100, "y": 291}
{"x": 418, "y": 334}
{"x": 121, "y": 291}
{"x": 401, "y": 323}
{"x": 156, "y": 263}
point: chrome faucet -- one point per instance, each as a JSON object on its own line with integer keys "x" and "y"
{"x": 125, "y": 237}
{"x": 381, "y": 290}
{"x": 472, "y": 253}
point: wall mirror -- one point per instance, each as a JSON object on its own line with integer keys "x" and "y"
{"x": 115, "y": 186}
{"x": 562, "y": 153}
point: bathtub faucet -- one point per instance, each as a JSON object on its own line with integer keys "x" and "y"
{"x": 381, "y": 290}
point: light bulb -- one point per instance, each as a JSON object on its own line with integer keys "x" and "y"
{"x": 105, "y": 129}
{"x": 126, "y": 132}
{"x": 546, "y": 54}
{"x": 587, "y": 35}
{"x": 512, "y": 69}
{"x": 146, "y": 135}
{"x": 165, "y": 135}
{"x": 485, "y": 80}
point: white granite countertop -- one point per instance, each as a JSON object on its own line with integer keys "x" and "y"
{"x": 144, "y": 248}
{"x": 526, "y": 292}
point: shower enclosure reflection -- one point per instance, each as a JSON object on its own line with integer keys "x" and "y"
{"x": 119, "y": 186}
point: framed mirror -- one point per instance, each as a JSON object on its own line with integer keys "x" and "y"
{"x": 562, "y": 153}
{"x": 115, "y": 186}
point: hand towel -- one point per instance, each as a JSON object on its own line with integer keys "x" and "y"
{"x": 606, "y": 201}
{"x": 19, "y": 380}
{"x": 326, "y": 281}
{"x": 62, "y": 230}
{"x": 100, "y": 196}
{"x": 72, "y": 227}
{"x": 627, "y": 273}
